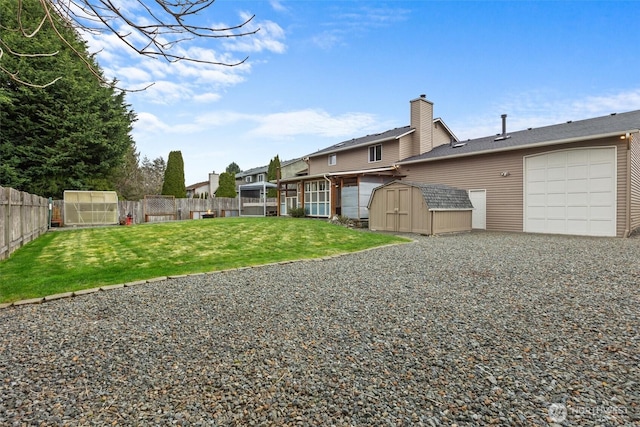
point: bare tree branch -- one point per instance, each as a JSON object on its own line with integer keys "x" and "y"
{"x": 152, "y": 28}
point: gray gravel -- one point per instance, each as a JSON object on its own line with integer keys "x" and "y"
{"x": 470, "y": 329}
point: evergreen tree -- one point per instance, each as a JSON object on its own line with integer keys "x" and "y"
{"x": 152, "y": 173}
{"x": 272, "y": 175}
{"x": 233, "y": 168}
{"x": 174, "y": 176}
{"x": 227, "y": 185}
{"x": 72, "y": 135}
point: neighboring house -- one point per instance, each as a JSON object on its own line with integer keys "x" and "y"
{"x": 258, "y": 174}
{"x": 203, "y": 188}
{"x": 340, "y": 178}
{"x": 579, "y": 177}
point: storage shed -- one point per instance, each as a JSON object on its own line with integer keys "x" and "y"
{"x": 419, "y": 208}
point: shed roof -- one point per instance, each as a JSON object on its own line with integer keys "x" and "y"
{"x": 555, "y": 134}
{"x": 439, "y": 196}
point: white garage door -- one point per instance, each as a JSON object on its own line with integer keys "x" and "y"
{"x": 571, "y": 192}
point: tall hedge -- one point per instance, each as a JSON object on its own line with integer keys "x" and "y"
{"x": 173, "y": 184}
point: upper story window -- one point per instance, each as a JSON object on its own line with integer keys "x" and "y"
{"x": 248, "y": 178}
{"x": 333, "y": 159}
{"x": 375, "y": 153}
{"x": 260, "y": 177}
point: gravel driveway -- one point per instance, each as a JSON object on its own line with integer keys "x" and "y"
{"x": 470, "y": 329}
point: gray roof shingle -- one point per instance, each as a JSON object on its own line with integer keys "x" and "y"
{"x": 383, "y": 136}
{"x": 621, "y": 122}
{"x": 440, "y": 196}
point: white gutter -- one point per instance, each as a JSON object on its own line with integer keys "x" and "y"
{"x": 327, "y": 174}
{"x": 520, "y": 147}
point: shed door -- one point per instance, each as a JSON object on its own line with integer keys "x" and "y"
{"x": 571, "y": 192}
{"x": 397, "y": 208}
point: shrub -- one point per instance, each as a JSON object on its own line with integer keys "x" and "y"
{"x": 297, "y": 212}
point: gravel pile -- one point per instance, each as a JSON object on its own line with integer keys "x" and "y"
{"x": 470, "y": 329}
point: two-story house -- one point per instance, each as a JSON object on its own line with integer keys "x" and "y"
{"x": 341, "y": 177}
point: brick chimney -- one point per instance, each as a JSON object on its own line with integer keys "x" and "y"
{"x": 422, "y": 122}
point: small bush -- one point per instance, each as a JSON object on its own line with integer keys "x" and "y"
{"x": 297, "y": 212}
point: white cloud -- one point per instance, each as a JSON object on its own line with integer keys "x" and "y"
{"x": 207, "y": 97}
{"x": 278, "y": 6}
{"x": 543, "y": 108}
{"x": 270, "y": 38}
{"x": 312, "y": 122}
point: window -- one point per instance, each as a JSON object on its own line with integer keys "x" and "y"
{"x": 333, "y": 158}
{"x": 316, "y": 198}
{"x": 375, "y": 153}
{"x": 247, "y": 178}
{"x": 260, "y": 178}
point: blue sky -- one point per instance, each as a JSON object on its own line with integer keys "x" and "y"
{"x": 320, "y": 72}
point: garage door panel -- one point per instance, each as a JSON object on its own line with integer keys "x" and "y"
{"x": 537, "y": 175}
{"x": 578, "y": 227}
{"x": 600, "y": 171}
{"x": 577, "y": 212}
{"x": 556, "y": 226}
{"x": 579, "y": 157}
{"x": 601, "y": 199}
{"x": 599, "y": 185}
{"x": 559, "y": 199}
{"x": 577, "y": 172}
{"x": 556, "y": 173}
{"x": 537, "y": 199}
{"x": 577, "y": 194}
{"x": 556, "y": 212}
{"x": 577, "y": 199}
{"x": 557, "y": 158}
{"x": 538, "y": 187}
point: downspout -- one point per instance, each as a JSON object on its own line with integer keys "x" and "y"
{"x": 278, "y": 192}
{"x": 330, "y": 194}
{"x": 627, "y": 231}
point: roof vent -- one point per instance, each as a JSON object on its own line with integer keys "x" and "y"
{"x": 504, "y": 135}
{"x": 458, "y": 145}
{"x": 613, "y": 114}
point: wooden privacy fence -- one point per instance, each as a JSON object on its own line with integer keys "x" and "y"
{"x": 184, "y": 209}
{"x": 23, "y": 217}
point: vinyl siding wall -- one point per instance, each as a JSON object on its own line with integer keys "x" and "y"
{"x": 505, "y": 194}
{"x": 355, "y": 159}
{"x": 440, "y": 135}
{"x": 635, "y": 182}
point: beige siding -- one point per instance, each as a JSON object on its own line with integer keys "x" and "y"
{"x": 440, "y": 135}
{"x": 505, "y": 194}
{"x": 408, "y": 146}
{"x": 422, "y": 122}
{"x": 635, "y": 182}
{"x": 621, "y": 187}
{"x": 355, "y": 159}
{"x": 451, "y": 221}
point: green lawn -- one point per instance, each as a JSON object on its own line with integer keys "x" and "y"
{"x": 71, "y": 260}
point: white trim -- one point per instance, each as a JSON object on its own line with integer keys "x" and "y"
{"x": 326, "y": 174}
{"x": 449, "y": 209}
